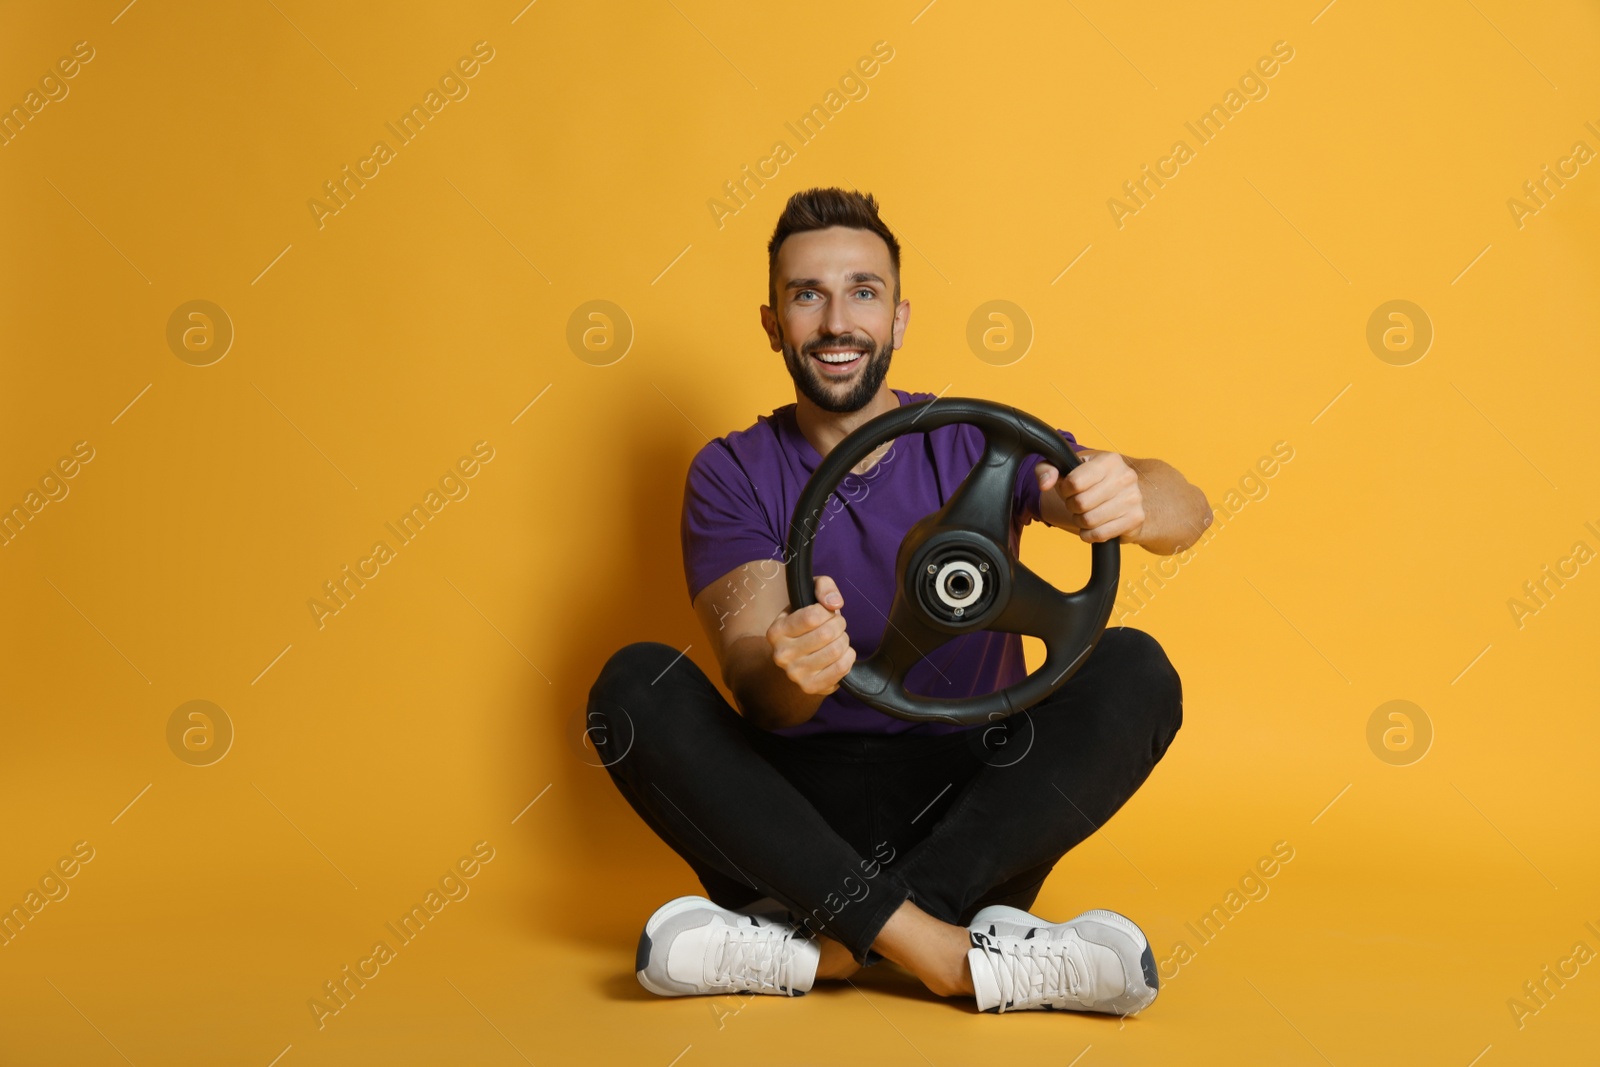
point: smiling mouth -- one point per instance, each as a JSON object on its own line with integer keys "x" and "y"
{"x": 837, "y": 360}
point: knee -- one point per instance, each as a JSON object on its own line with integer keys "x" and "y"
{"x": 649, "y": 693}
{"x": 632, "y": 669}
{"x": 1150, "y": 681}
{"x": 618, "y": 700}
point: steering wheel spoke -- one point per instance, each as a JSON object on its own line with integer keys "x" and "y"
{"x": 982, "y": 501}
{"x": 1036, "y": 607}
{"x": 907, "y": 639}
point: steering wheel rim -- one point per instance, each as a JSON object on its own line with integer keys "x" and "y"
{"x": 955, "y": 571}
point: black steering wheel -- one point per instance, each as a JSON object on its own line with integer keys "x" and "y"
{"x": 956, "y": 570}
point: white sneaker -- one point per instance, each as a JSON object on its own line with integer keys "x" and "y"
{"x": 692, "y": 946}
{"x": 1099, "y": 961}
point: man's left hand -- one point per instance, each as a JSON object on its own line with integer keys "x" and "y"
{"x": 1102, "y": 494}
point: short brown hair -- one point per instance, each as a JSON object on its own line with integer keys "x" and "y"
{"x": 817, "y": 209}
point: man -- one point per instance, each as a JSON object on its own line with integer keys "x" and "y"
{"x": 828, "y": 835}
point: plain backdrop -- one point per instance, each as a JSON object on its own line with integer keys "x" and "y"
{"x": 376, "y": 345}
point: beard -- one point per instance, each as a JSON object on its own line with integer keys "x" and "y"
{"x": 838, "y": 397}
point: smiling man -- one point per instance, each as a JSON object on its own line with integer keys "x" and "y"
{"x": 826, "y": 834}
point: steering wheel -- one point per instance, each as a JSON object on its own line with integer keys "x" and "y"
{"x": 956, "y": 572}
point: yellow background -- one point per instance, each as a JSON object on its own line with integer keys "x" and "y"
{"x": 429, "y": 312}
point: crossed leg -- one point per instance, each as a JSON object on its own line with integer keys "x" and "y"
{"x": 710, "y": 785}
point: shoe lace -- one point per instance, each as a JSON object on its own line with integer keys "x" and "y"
{"x": 1036, "y": 971}
{"x": 751, "y": 958}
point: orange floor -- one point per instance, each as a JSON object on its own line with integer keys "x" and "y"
{"x": 1337, "y": 959}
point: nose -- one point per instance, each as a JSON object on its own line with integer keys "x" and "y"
{"x": 839, "y": 323}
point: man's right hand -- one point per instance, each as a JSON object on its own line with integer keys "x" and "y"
{"x": 810, "y": 645}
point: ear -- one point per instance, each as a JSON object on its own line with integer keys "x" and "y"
{"x": 774, "y": 328}
{"x": 902, "y": 319}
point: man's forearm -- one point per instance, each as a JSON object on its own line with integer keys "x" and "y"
{"x": 1176, "y": 513}
{"x": 763, "y": 692}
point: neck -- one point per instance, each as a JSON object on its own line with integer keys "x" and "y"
{"x": 825, "y": 429}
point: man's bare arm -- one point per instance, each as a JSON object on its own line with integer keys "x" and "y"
{"x": 778, "y": 665}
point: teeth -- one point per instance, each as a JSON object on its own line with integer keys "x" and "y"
{"x": 838, "y": 357}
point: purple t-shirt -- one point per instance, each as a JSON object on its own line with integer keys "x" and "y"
{"x": 739, "y": 499}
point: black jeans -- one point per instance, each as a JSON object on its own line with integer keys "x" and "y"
{"x": 843, "y": 828}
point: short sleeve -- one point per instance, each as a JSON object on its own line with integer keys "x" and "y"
{"x": 1028, "y": 484}
{"x": 723, "y": 524}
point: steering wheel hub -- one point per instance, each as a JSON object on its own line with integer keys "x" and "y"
{"x": 960, "y": 580}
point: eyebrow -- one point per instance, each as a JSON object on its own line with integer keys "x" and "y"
{"x": 816, "y": 283}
